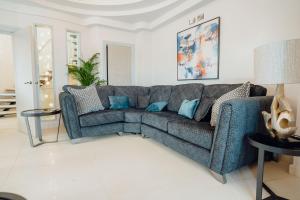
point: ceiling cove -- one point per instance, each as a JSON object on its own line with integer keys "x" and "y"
{"x": 106, "y": 2}
{"x": 131, "y": 15}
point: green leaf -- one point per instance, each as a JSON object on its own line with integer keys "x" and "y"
{"x": 86, "y": 73}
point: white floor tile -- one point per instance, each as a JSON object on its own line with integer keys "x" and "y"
{"x": 120, "y": 168}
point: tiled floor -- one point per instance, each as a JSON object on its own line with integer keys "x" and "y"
{"x": 120, "y": 168}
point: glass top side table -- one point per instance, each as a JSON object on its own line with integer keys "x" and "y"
{"x": 40, "y": 113}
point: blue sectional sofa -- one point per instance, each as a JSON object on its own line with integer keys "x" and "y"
{"x": 222, "y": 149}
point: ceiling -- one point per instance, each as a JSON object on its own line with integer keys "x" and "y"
{"x": 124, "y": 14}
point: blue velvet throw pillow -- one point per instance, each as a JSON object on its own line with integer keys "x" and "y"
{"x": 118, "y": 102}
{"x": 188, "y": 108}
{"x": 157, "y": 106}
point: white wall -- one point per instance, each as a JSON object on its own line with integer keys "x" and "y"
{"x": 245, "y": 24}
{"x": 143, "y": 58}
{"x": 97, "y": 37}
{"x": 6, "y": 63}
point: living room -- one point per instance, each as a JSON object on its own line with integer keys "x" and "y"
{"x": 156, "y": 149}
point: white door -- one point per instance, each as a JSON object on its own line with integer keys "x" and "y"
{"x": 24, "y": 61}
{"x": 119, "y": 65}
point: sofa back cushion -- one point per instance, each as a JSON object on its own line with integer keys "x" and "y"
{"x": 104, "y": 92}
{"x": 143, "y": 101}
{"x": 132, "y": 92}
{"x": 160, "y": 93}
{"x": 182, "y": 92}
{"x": 213, "y": 92}
{"x": 257, "y": 90}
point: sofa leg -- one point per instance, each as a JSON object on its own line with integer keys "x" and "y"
{"x": 81, "y": 140}
{"x": 144, "y": 136}
{"x": 221, "y": 178}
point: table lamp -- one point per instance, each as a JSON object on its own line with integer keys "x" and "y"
{"x": 279, "y": 63}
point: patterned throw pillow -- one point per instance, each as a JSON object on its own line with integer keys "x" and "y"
{"x": 87, "y": 99}
{"x": 240, "y": 92}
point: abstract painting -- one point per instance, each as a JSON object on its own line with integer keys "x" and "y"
{"x": 198, "y": 51}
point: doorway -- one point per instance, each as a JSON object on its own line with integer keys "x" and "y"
{"x": 32, "y": 73}
{"x": 119, "y": 64}
{"x": 7, "y": 81}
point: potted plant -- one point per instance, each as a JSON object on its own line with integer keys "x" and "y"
{"x": 86, "y": 73}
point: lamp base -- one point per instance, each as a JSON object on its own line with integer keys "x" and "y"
{"x": 281, "y": 121}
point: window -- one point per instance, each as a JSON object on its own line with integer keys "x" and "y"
{"x": 73, "y": 52}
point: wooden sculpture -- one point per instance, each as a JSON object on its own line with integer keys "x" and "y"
{"x": 281, "y": 122}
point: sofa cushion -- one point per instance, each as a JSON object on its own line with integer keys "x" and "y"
{"x": 160, "y": 120}
{"x": 133, "y": 115}
{"x": 198, "y": 133}
{"x": 160, "y": 93}
{"x": 101, "y": 117}
{"x": 257, "y": 90}
{"x": 104, "y": 92}
{"x": 213, "y": 92}
{"x": 132, "y": 92}
{"x": 182, "y": 92}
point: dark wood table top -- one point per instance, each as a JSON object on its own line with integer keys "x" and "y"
{"x": 291, "y": 146}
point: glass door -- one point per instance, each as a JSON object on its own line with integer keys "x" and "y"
{"x": 44, "y": 65}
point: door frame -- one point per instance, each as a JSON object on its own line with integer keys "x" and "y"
{"x": 104, "y": 67}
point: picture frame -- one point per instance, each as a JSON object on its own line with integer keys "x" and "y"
{"x": 198, "y": 51}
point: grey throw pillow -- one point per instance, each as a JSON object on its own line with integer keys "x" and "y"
{"x": 203, "y": 109}
{"x": 240, "y": 92}
{"x": 143, "y": 101}
{"x": 87, "y": 99}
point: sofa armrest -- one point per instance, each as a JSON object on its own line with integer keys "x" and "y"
{"x": 70, "y": 115}
{"x": 237, "y": 119}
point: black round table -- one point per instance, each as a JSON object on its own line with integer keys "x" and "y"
{"x": 40, "y": 113}
{"x": 264, "y": 142}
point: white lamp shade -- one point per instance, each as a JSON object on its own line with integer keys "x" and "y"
{"x": 278, "y": 63}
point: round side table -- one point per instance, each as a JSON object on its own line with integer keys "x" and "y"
{"x": 10, "y": 196}
{"x": 263, "y": 143}
{"x": 40, "y": 113}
